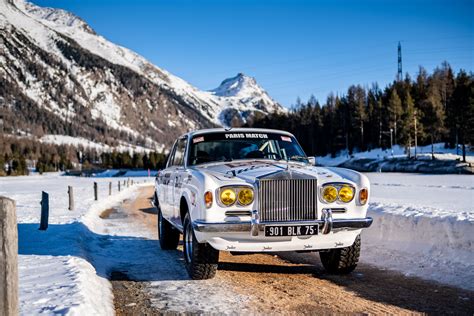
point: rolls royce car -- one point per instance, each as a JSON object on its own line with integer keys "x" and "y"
{"x": 255, "y": 190}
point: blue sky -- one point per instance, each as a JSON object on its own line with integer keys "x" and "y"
{"x": 292, "y": 47}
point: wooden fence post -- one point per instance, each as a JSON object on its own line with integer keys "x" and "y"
{"x": 44, "y": 211}
{"x": 119, "y": 185}
{"x": 128, "y": 182}
{"x": 132, "y": 182}
{"x": 71, "y": 198}
{"x": 8, "y": 258}
{"x": 110, "y": 188}
{"x": 96, "y": 193}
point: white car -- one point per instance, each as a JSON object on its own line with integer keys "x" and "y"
{"x": 255, "y": 190}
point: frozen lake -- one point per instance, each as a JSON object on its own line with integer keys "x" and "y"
{"x": 445, "y": 193}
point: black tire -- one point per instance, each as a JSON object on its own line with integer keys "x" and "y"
{"x": 167, "y": 234}
{"x": 342, "y": 260}
{"x": 200, "y": 258}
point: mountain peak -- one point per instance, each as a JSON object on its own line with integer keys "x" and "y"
{"x": 250, "y": 95}
{"x": 58, "y": 17}
{"x": 239, "y": 85}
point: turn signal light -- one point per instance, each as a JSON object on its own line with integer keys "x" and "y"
{"x": 363, "y": 196}
{"x": 208, "y": 199}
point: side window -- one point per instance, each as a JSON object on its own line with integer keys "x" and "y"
{"x": 178, "y": 158}
{"x": 169, "y": 163}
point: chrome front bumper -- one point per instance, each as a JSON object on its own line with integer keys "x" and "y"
{"x": 326, "y": 224}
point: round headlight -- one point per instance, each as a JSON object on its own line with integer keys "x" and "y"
{"x": 228, "y": 197}
{"x": 245, "y": 196}
{"x": 346, "y": 193}
{"x": 329, "y": 194}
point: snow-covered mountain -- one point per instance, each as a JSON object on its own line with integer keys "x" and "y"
{"x": 242, "y": 97}
{"x": 60, "y": 77}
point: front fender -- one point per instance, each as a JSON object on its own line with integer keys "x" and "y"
{"x": 358, "y": 178}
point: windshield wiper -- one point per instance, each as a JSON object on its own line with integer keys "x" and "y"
{"x": 298, "y": 158}
{"x": 210, "y": 161}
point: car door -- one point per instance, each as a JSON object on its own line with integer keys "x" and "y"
{"x": 178, "y": 177}
{"x": 166, "y": 193}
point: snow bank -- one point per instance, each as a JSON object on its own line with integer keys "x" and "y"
{"x": 57, "y": 274}
{"x": 53, "y": 285}
{"x": 423, "y": 226}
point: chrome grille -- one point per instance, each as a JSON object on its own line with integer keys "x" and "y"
{"x": 287, "y": 200}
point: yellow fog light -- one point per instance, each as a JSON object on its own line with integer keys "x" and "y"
{"x": 346, "y": 193}
{"x": 363, "y": 196}
{"x": 228, "y": 197}
{"x": 245, "y": 196}
{"x": 329, "y": 194}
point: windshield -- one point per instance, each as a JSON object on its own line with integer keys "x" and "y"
{"x": 228, "y": 146}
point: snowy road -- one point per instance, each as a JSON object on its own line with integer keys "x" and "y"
{"x": 108, "y": 250}
{"x": 289, "y": 283}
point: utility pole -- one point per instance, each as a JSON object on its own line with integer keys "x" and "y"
{"x": 347, "y": 143}
{"x": 416, "y": 135}
{"x": 380, "y": 134}
{"x": 457, "y": 139}
{"x": 400, "y": 72}
{"x": 391, "y": 140}
{"x": 395, "y": 130}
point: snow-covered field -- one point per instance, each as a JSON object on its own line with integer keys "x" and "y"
{"x": 56, "y": 271}
{"x": 99, "y": 147}
{"x": 423, "y": 152}
{"x": 423, "y": 226}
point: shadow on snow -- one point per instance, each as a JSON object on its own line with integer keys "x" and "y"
{"x": 134, "y": 258}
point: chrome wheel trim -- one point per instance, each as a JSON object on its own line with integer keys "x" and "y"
{"x": 188, "y": 243}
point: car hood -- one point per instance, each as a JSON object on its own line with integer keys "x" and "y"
{"x": 251, "y": 171}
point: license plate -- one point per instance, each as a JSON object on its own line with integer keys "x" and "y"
{"x": 293, "y": 230}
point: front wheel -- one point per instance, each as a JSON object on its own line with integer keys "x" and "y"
{"x": 201, "y": 259}
{"x": 342, "y": 260}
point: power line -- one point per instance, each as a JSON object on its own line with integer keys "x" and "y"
{"x": 348, "y": 71}
{"x": 328, "y": 53}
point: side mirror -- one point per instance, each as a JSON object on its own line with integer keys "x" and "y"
{"x": 312, "y": 160}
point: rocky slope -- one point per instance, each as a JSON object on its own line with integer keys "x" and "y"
{"x": 59, "y": 77}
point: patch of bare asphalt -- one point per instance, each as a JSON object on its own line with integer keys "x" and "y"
{"x": 293, "y": 283}
{"x": 130, "y": 297}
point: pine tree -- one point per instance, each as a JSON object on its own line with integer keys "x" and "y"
{"x": 408, "y": 121}
{"x": 395, "y": 111}
{"x": 433, "y": 113}
{"x": 461, "y": 110}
